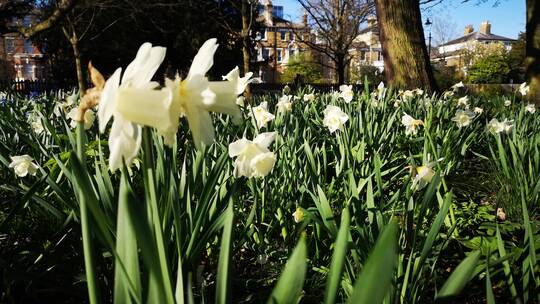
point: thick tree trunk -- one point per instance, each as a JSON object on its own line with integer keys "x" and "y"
{"x": 532, "y": 49}
{"x": 406, "y": 61}
{"x": 246, "y": 12}
{"x": 340, "y": 69}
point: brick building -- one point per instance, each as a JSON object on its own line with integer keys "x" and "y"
{"x": 275, "y": 41}
{"x": 20, "y": 59}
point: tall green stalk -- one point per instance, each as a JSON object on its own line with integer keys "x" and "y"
{"x": 88, "y": 246}
{"x": 151, "y": 197}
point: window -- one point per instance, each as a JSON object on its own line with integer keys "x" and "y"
{"x": 263, "y": 37}
{"x": 265, "y": 53}
{"x": 283, "y": 34}
{"x": 10, "y": 45}
{"x": 28, "y": 71}
{"x": 279, "y": 55}
{"x": 28, "y": 47}
{"x": 363, "y": 55}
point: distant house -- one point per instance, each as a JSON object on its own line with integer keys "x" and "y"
{"x": 275, "y": 41}
{"x": 366, "y": 48}
{"x": 20, "y": 59}
{"x": 451, "y": 52}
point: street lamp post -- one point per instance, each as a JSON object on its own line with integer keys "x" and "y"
{"x": 429, "y": 23}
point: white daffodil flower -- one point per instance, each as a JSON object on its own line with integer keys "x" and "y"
{"x": 507, "y": 103}
{"x": 194, "y": 98}
{"x": 478, "y": 110}
{"x": 424, "y": 174}
{"x": 346, "y": 92}
{"x": 448, "y": 94}
{"x": 284, "y": 103}
{"x": 133, "y": 100}
{"x": 37, "y": 126}
{"x": 241, "y": 82}
{"x": 309, "y": 97}
{"x": 381, "y": 90}
{"x": 261, "y": 114}
{"x": 530, "y": 108}
{"x": 524, "y": 89}
{"x": 334, "y": 118}
{"x": 408, "y": 94}
{"x": 496, "y": 127}
{"x": 298, "y": 215}
{"x": 411, "y": 124}
{"x": 463, "y": 118}
{"x": 253, "y": 159}
{"x": 463, "y": 101}
{"x": 418, "y": 92}
{"x": 23, "y": 165}
{"x": 89, "y": 117}
{"x": 458, "y": 85}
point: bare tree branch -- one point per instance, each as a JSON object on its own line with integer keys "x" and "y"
{"x": 63, "y": 7}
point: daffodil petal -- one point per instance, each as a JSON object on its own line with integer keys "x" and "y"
{"x": 204, "y": 59}
{"x": 200, "y": 124}
{"x": 107, "y": 102}
{"x": 124, "y": 142}
{"x": 145, "y": 107}
{"x": 225, "y": 100}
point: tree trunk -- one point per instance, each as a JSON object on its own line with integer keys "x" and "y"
{"x": 532, "y": 50}
{"x": 246, "y": 12}
{"x": 78, "y": 66}
{"x": 340, "y": 69}
{"x": 406, "y": 61}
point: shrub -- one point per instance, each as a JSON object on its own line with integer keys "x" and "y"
{"x": 493, "y": 68}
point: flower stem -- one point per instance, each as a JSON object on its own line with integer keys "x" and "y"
{"x": 88, "y": 246}
{"x": 151, "y": 197}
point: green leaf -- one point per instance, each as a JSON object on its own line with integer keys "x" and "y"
{"x": 126, "y": 248}
{"x": 338, "y": 259}
{"x": 376, "y": 277}
{"x": 224, "y": 258}
{"x": 460, "y": 276}
{"x": 291, "y": 281}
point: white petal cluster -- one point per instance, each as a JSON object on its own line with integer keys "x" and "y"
{"x": 135, "y": 101}
{"x": 261, "y": 114}
{"x": 23, "y": 165}
{"x": 463, "y": 118}
{"x": 463, "y": 102}
{"x": 334, "y": 118}
{"x": 89, "y": 117}
{"x": 411, "y": 124}
{"x": 253, "y": 159}
{"x": 346, "y": 92}
{"x": 285, "y": 103}
{"x": 121, "y": 99}
{"x": 37, "y": 126}
{"x": 496, "y": 127}
{"x": 530, "y": 108}
{"x": 309, "y": 97}
{"x": 524, "y": 89}
{"x": 478, "y": 110}
{"x": 507, "y": 103}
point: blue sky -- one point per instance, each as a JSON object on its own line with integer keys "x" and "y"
{"x": 507, "y": 19}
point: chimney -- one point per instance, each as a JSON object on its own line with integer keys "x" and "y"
{"x": 305, "y": 19}
{"x": 268, "y": 13}
{"x": 485, "y": 28}
{"x": 468, "y": 29}
{"x": 371, "y": 21}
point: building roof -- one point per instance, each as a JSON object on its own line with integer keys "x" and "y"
{"x": 279, "y": 22}
{"x": 369, "y": 29}
{"x": 478, "y": 36}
